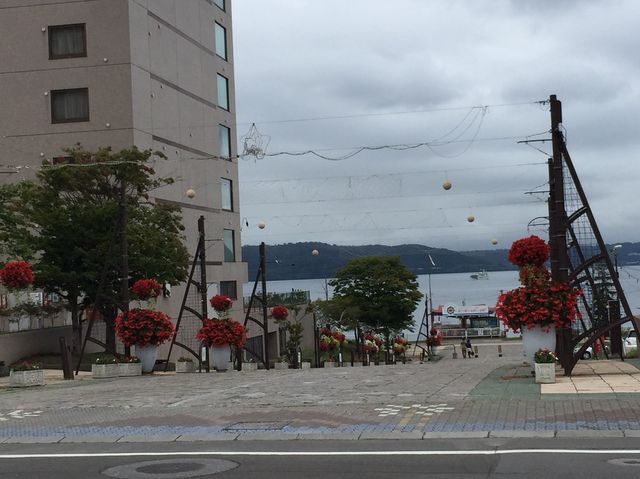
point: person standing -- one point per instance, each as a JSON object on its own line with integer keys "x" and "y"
{"x": 469, "y": 348}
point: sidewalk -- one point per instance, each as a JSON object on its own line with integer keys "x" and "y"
{"x": 484, "y": 397}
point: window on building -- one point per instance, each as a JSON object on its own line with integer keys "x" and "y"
{"x": 229, "y": 246}
{"x": 223, "y": 92}
{"x": 229, "y": 288}
{"x": 221, "y": 41}
{"x": 224, "y": 141}
{"x": 220, "y": 4}
{"x": 69, "y": 105}
{"x": 67, "y": 41}
{"x": 226, "y": 189}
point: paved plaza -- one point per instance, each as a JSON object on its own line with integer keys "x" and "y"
{"x": 480, "y": 397}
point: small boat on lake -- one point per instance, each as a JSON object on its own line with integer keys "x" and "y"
{"x": 481, "y": 275}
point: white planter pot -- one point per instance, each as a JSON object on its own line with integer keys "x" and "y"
{"x": 305, "y": 365}
{"x": 147, "y": 356}
{"x": 545, "y": 373}
{"x": 281, "y": 366}
{"x": 103, "y": 371}
{"x": 249, "y": 366}
{"x": 220, "y": 357}
{"x": 22, "y": 379}
{"x": 130, "y": 369}
{"x": 537, "y": 338}
{"x": 185, "y": 367}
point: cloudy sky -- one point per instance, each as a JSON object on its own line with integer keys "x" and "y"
{"x": 463, "y": 76}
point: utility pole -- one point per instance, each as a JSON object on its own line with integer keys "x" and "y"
{"x": 124, "y": 250}
{"x": 204, "y": 310}
{"x": 265, "y": 312}
{"x": 558, "y": 220}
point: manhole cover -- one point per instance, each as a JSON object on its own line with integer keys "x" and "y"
{"x": 256, "y": 426}
{"x": 170, "y": 469}
{"x": 624, "y": 462}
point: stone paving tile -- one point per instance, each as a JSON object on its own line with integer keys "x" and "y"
{"x": 589, "y": 433}
{"x": 330, "y": 436}
{"x": 91, "y": 439}
{"x": 33, "y": 440}
{"x": 527, "y": 434}
{"x": 267, "y": 436}
{"x": 456, "y": 435}
{"x": 208, "y": 437}
{"x": 391, "y": 435}
{"x": 149, "y": 438}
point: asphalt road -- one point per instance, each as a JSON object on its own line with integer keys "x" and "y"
{"x": 522, "y": 458}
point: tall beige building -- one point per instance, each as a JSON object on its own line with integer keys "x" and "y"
{"x": 153, "y": 73}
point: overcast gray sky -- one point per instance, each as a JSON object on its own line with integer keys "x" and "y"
{"x": 373, "y": 61}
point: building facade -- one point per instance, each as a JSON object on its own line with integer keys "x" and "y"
{"x": 152, "y": 73}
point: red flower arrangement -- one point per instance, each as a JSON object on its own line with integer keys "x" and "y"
{"x": 279, "y": 312}
{"x": 146, "y": 289}
{"x": 16, "y": 275}
{"x": 400, "y": 345}
{"x": 529, "y": 251}
{"x": 144, "y": 327}
{"x": 221, "y": 332}
{"x": 374, "y": 338}
{"x": 221, "y": 303}
{"x": 538, "y": 301}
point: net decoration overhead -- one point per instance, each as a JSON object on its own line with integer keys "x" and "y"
{"x": 254, "y": 144}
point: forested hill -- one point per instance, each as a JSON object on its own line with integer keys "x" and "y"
{"x": 295, "y": 261}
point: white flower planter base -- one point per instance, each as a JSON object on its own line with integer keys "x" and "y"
{"x": 219, "y": 355}
{"x": 104, "y": 371}
{"x": 249, "y": 366}
{"x": 185, "y": 367}
{"x": 330, "y": 364}
{"x": 130, "y": 369}
{"x": 23, "y": 379}
{"x": 281, "y": 366}
{"x": 535, "y": 339}
{"x": 545, "y": 373}
{"x": 147, "y": 356}
{"x": 305, "y": 365}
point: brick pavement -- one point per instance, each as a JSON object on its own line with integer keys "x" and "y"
{"x": 449, "y": 398}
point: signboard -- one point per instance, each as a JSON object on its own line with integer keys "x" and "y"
{"x": 455, "y": 310}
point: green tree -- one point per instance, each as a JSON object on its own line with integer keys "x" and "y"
{"x": 382, "y": 291}
{"x": 65, "y": 223}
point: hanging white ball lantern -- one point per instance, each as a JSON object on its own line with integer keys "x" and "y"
{"x": 261, "y": 225}
{"x": 471, "y": 218}
{"x": 314, "y": 252}
{"x": 494, "y": 242}
{"x": 446, "y": 185}
{"x": 191, "y": 193}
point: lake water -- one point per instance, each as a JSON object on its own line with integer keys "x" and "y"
{"x": 457, "y": 288}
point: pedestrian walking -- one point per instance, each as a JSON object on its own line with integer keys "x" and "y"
{"x": 469, "y": 348}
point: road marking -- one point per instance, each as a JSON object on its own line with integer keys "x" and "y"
{"x": 487, "y": 452}
{"x": 19, "y": 414}
{"x": 392, "y": 409}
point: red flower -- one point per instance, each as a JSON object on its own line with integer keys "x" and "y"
{"x": 221, "y": 303}
{"x": 144, "y": 327}
{"x": 146, "y": 289}
{"x": 279, "y": 312}
{"x": 220, "y": 332}
{"x": 529, "y": 251}
{"x": 16, "y": 275}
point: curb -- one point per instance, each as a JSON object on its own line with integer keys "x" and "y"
{"x": 332, "y": 436}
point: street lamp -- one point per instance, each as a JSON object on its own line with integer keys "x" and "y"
{"x": 614, "y": 250}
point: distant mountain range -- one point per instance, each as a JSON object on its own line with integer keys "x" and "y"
{"x": 295, "y": 260}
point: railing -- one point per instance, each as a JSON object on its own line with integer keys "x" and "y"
{"x": 38, "y": 312}
{"x": 470, "y": 332}
{"x": 294, "y": 298}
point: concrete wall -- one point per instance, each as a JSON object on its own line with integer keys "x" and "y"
{"x": 16, "y": 346}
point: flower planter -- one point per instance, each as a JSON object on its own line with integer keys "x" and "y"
{"x": 130, "y": 369}
{"x": 330, "y": 364}
{"x": 305, "y": 365}
{"x": 281, "y": 366}
{"x": 147, "y": 356}
{"x": 220, "y": 357}
{"x": 185, "y": 367}
{"x": 537, "y": 338}
{"x": 104, "y": 371}
{"x": 545, "y": 373}
{"x": 22, "y": 379}
{"x": 249, "y": 366}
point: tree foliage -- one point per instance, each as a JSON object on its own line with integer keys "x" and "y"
{"x": 380, "y": 290}
{"x": 65, "y": 223}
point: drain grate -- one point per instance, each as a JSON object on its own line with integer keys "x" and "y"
{"x": 170, "y": 469}
{"x": 256, "y": 426}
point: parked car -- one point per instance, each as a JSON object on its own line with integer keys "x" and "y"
{"x": 630, "y": 342}
{"x": 587, "y": 354}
